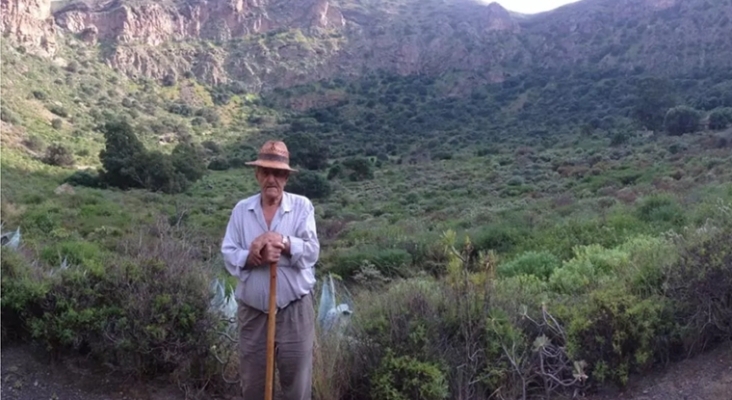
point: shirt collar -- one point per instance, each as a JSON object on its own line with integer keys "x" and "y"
{"x": 286, "y": 203}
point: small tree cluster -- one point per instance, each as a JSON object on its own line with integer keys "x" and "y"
{"x": 681, "y": 119}
{"x": 720, "y": 118}
{"x": 310, "y": 184}
{"x": 307, "y": 151}
{"x": 355, "y": 168}
{"x": 127, "y": 164}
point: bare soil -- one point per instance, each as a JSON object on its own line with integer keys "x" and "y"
{"x": 29, "y": 374}
{"x": 705, "y": 377}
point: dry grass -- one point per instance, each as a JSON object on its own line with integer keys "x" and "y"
{"x": 332, "y": 366}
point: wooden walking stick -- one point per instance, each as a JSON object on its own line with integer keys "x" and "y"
{"x": 269, "y": 377}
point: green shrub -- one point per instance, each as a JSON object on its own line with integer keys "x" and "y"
{"x": 720, "y": 118}
{"x": 84, "y": 178}
{"x": 681, "y": 119}
{"x": 419, "y": 317}
{"x": 58, "y": 110}
{"x": 127, "y": 164}
{"x": 699, "y": 285}
{"x": 307, "y": 151}
{"x": 500, "y": 238}
{"x": 22, "y": 290}
{"x": 515, "y": 292}
{"x": 389, "y": 262}
{"x": 590, "y": 267}
{"x": 561, "y": 239}
{"x": 648, "y": 256}
{"x": 58, "y": 155}
{"x": 145, "y": 312}
{"x": 310, "y": 184}
{"x": 85, "y": 254}
{"x": 358, "y": 168}
{"x": 661, "y": 209}
{"x": 617, "y": 333}
{"x": 39, "y": 95}
{"x": 34, "y": 143}
{"x": 406, "y": 378}
{"x": 187, "y": 160}
{"x": 218, "y": 164}
{"x": 9, "y": 116}
{"x": 540, "y": 264}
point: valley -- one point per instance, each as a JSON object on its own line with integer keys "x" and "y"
{"x": 476, "y": 175}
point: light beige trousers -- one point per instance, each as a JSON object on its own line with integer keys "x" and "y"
{"x": 294, "y": 338}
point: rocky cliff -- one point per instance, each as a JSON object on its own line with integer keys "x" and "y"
{"x": 30, "y": 24}
{"x": 264, "y": 44}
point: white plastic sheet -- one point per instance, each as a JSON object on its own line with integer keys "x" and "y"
{"x": 334, "y": 310}
{"x": 11, "y": 239}
{"x": 225, "y": 304}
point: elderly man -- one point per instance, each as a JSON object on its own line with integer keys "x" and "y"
{"x": 274, "y": 226}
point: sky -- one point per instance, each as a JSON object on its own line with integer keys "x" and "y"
{"x": 531, "y": 6}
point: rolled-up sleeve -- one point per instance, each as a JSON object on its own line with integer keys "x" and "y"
{"x": 233, "y": 246}
{"x": 304, "y": 245}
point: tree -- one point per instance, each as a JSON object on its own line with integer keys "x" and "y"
{"x": 360, "y": 167}
{"x": 307, "y": 151}
{"x": 310, "y": 184}
{"x": 117, "y": 157}
{"x": 127, "y": 164}
{"x": 681, "y": 119}
{"x": 155, "y": 171}
{"x": 720, "y": 118}
{"x": 654, "y": 96}
{"x": 188, "y": 161}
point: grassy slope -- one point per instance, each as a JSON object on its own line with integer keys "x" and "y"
{"x": 514, "y": 164}
{"x": 532, "y": 170}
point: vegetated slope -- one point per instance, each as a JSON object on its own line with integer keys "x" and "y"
{"x": 665, "y": 37}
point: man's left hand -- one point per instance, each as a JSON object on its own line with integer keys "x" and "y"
{"x": 266, "y": 238}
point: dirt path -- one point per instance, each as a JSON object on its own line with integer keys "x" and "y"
{"x": 28, "y": 375}
{"x": 705, "y": 377}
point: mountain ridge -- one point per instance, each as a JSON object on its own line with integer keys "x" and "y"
{"x": 267, "y": 44}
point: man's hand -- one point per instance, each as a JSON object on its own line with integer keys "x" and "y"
{"x": 255, "y": 256}
{"x": 258, "y": 246}
{"x": 272, "y": 252}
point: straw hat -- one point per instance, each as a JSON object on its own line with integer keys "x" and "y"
{"x": 273, "y": 154}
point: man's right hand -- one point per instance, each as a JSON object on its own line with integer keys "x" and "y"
{"x": 272, "y": 251}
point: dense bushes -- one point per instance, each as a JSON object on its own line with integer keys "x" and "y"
{"x": 58, "y": 155}
{"x": 310, "y": 184}
{"x": 539, "y": 264}
{"x": 720, "y": 118}
{"x": 127, "y": 164}
{"x": 699, "y": 285}
{"x": 603, "y": 314}
{"x": 143, "y": 310}
{"x": 681, "y": 119}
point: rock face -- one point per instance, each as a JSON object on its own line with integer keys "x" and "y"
{"x": 264, "y": 44}
{"x": 30, "y": 24}
{"x": 156, "y": 23}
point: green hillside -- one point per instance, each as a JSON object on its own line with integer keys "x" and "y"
{"x": 597, "y": 202}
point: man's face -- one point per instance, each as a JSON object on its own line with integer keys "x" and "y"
{"x": 272, "y": 181}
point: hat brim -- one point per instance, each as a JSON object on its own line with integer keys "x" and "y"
{"x": 270, "y": 164}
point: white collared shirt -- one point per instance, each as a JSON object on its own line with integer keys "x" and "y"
{"x": 295, "y": 274}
